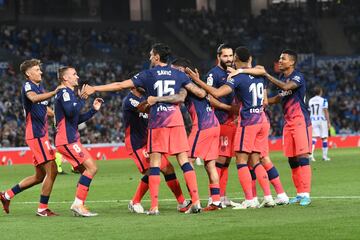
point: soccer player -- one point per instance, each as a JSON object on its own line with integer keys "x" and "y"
{"x": 320, "y": 120}
{"x": 251, "y": 133}
{"x": 136, "y": 123}
{"x": 216, "y": 77}
{"x": 204, "y": 136}
{"x": 67, "y": 139}
{"x": 166, "y": 131}
{"x": 35, "y": 101}
{"x": 297, "y": 130}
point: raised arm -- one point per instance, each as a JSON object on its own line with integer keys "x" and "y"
{"x": 256, "y": 71}
{"x": 290, "y": 85}
{"x": 35, "y": 98}
{"x": 216, "y": 92}
{"x": 111, "y": 87}
{"x": 176, "y": 98}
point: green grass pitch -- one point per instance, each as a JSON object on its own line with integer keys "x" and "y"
{"x": 333, "y": 214}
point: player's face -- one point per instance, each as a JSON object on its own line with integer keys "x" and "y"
{"x": 285, "y": 62}
{"x": 34, "y": 73}
{"x": 71, "y": 77}
{"x": 226, "y": 58}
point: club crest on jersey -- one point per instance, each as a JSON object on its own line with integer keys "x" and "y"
{"x": 210, "y": 79}
{"x": 66, "y": 96}
{"x": 134, "y": 102}
{"x": 27, "y": 87}
{"x": 296, "y": 78}
{"x": 231, "y": 81}
{"x": 163, "y": 72}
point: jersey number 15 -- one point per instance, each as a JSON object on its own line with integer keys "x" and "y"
{"x": 164, "y": 87}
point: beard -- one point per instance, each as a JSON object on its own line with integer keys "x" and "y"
{"x": 225, "y": 65}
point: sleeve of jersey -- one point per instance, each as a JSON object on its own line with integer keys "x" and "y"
{"x": 139, "y": 79}
{"x": 86, "y": 116}
{"x": 231, "y": 83}
{"x": 70, "y": 104}
{"x": 325, "y": 103}
{"x": 28, "y": 87}
{"x": 131, "y": 104}
{"x": 298, "y": 79}
{"x": 186, "y": 80}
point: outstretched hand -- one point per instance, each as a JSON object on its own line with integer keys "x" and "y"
{"x": 86, "y": 91}
{"x": 193, "y": 75}
{"x": 97, "y": 103}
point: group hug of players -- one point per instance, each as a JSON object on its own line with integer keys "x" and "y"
{"x": 228, "y": 119}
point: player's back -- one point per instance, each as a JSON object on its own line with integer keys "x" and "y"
{"x": 135, "y": 123}
{"x": 66, "y": 123}
{"x": 35, "y": 113}
{"x": 217, "y": 77}
{"x": 162, "y": 81}
{"x": 293, "y": 101}
{"x": 317, "y": 105}
{"x": 249, "y": 91}
{"x": 201, "y": 112}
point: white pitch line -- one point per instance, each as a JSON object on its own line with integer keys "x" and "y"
{"x": 173, "y": 200}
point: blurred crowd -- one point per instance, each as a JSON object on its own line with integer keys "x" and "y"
{"x": 278, "y": 26}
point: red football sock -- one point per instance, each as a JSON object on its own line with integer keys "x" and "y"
{"x": 224, "y": 179}
{"x": 190, "y": 179}
{"x": 245, "y": 180}
{"x": 142, "y": 188}
{"x": 83, "y": 186}
{"x": 274, "y": 178}
{"x": 263, "y": 179}
{"x": 154, "y": 184}
{"x": 174, "y": 186}
{"x": 306, "y": 178}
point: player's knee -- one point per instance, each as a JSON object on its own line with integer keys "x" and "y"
{"x": 265, "y": 160}
{"x": 168, "y": 170}
{"x": 92, "y": 170}
{"x": 39, "y": 178}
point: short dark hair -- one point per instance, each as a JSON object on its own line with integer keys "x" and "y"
{"x": 317, "y": 90}
{"x": 182, "y": 62}
{"x": 221, "y": 47}
{"x": 163, "y": 50}
{"x": 243, "y": 53}
{"x": 24, "y": 66}
{"x": 61, "y": 72}
{"x": 291, "y": 53}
